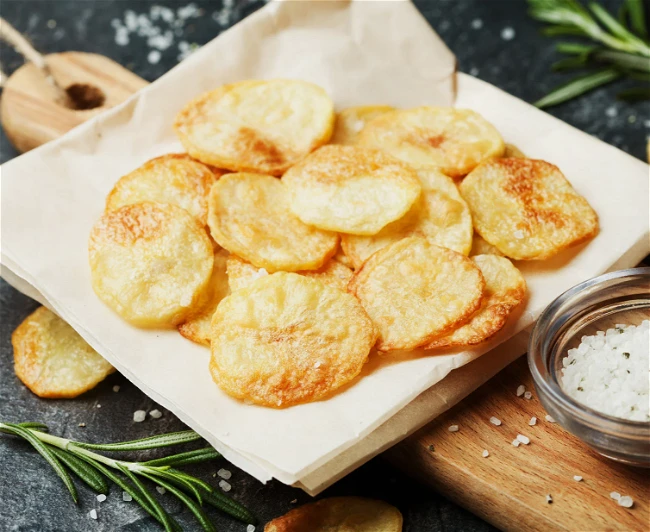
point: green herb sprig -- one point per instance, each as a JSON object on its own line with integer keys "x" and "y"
{"x": 622, "y": 49}
{"x": 94, "y": 469}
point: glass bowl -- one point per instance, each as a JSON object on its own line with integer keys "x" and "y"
{"x": 597, "y": 304}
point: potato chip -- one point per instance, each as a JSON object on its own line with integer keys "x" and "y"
{"x": 175, "y": 178}
{"x": 242, "y": 273}
{"x": 513, "y": 151}
{"x": 52, "y": 360}
{"x": 339, "y": 514}
{"x": 250, "y": 217}
{"x": 505, "y": 289}
{"x": 440, "y": 215}
{"x": 150, "y": 263}
{"x": 256, "y": 126}
{"x": 481, "y": 247}
{"x": 526, "y": 208}
{"x": 343, "y": 258}
{"x": 350, "y": 189}
{"x": 197, "y": 326}
{"x": 287, "y": 339}
{"x": 452, "y": 140}
{"x": 350, "y": 122}
{"x": 415, "y": 291}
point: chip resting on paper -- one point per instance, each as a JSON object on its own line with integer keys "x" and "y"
{"x": 339, "y": 514}
{"x": 150, "y": 263}
{"x": 440, "y": 215}
{"x": 350, "y": 122}
{"x": 197, "y": 327}
{"x": 287, "y": 339}
{"x": 175, "y": 178}
{"x": 250, "y": 216}
{"x": 415, "y": 292}
{"x": 351, "y": 189}
{"x": 505, "y": 289}
{"x": 242, "y": 273}
{"x": 52, "y": 360}
{"x": 256, "y": 126}
{"x": 526, "y": 208}
{"x": 452, "y": 140}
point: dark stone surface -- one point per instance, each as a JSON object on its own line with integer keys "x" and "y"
{"x": 31, "y": 497}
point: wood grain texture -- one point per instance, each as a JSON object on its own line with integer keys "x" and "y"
{"x": 509, "y": 487}
{"x": 31, "y": 114}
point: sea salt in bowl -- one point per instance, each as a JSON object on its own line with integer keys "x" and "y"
{"x": 590, "y": 368}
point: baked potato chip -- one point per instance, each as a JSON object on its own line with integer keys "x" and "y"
{"x": 250, "y": 216}
{"x": 287, "y": 339}
{"x": 481, "y": 247}
{"x": 452, "y": 140}
{"x": 52, "y": 360}
{"x": 505, "y": 289}
{"x": 340, "y": 514}
{"x": 350, "y": 122}
{"x": 415, "y": 292}
{"x": 175, "y": 178}
{"x": 526, "y": 208}
{"x": 150, "y": 263}
{"x": 242, "y": 273}
{"x": 513, "y": 151}
{"x": 350, "y": 189}
{"x": 197, "y": 326}
{"x": 256, "y": 126}
{"x": 440, "y": 215}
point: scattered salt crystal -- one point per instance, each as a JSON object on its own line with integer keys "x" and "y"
{"x": 626, "y": 501}
{"x": 549, "y": 499}
{"x": 646, "y": 123}
{"x": 154, "y": 57}
{"x": 485, "y": 453}
{"x": 250, "y": 528}
{"x": 615, "y": 495}
{"x": 224, "y": 485}
{"x": 477, "y": 24}
{"x": 473, "y": 71}
{"x": 523, "y": 439}
{"x": 93, "y": 514}
{"x": 155, "y": 413}
{"x": 533, "y": 421}
{"x": 611, "y": 111}
{"x": 495, "y": 421}
{"x": 577, "y": 478}
{"x": 518, "y": 234}
{"x": 516, "y": 442}
{"x": 126, "y": 496}
{"x": 116, "y": 388}
{"x": 550, "y": 419}
{"x": 318, "y": 364}
{"x": 98, "y": 406}
{"x": 453, "y": 428}
{"x": 520, "y": 390}
{"x": 528, "y": 395}
{"x": 160, "y": 490}
{"x": 101, "y": 497}
{"x": 51, "y": 24}
{"x": 507, "y": 34}
{"x": 82, "y": 425}
{"x": 139, "y": 416}
{"x": 121, "y": 36}
{"x": 224, "y": 473}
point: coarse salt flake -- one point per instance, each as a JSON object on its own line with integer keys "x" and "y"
{"x": 516, "y": 442}
{"x": 533, "y": 421}
{"x": 250, "y": 528}
{"x": 224, "y": 473}
{"x": 93, "y": 514}
{"x": 615, "y": 495}
{"x": 520, "y": 390}
{"x": 453, "y": 428}
{"x": 477, "y": 24}
{"x": 550, "y": 419}
{"x": 101, "y": 497}
{"x": 139, "y": 416}
{"x": 160, "y": 490}
{"x": 485, "y": 453}
{"x": 523, "y": 439}
{"x": 155, "y": 413}
{"x": 495, "y": 421}
{"x": 126, "y": 496}
{"x": 224, "y": 485}
{"x": 507, "y": 34}
{"x": 528, "y": 395}
{"x": 577, "y": 478}
{"x": 99, "y": 406}
{"x": 626, "y": 501}
{"x": 154, "y": 57}
{"x": 318, "y": 364}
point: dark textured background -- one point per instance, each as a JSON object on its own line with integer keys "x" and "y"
{"x": 31, "y": 497}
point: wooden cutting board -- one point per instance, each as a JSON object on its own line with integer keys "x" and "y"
{"x": 509, "y": 487}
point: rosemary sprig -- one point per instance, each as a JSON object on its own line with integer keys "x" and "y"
{"x": 622, "y": 50}
{"x": 93, "y": 469}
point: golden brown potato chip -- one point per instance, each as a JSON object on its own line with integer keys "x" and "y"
{"x": 340, "y": 514}
{"x": 505, "y": 289}
{"x": 415, "y": 291}
{"x": 350, "y": 189}
{"x": 197, "y": 326}
{"x": 350, "y": 122}
{"x": 526, "y": 208}
{"x": 175, "y": 178}
{"x": 452, "y": 140}
{"x": 256, "y": 126}
{"x": 481, "y": 247}
{"x": 52, "y": 360}
{"x": 287, "y": 339}
{"x": 150, "y": 262}
{"x": 242, "y": 273}
{"x": 440, "y": 215}
{"x": 250, "y": 217}
{"x": 343, "y": 258}
{"x": 513, "y": 151}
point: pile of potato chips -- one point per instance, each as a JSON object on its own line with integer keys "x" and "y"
{"x": 294, "y": 259}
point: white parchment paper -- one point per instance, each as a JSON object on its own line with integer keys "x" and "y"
{"x": 361, "y": 53}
